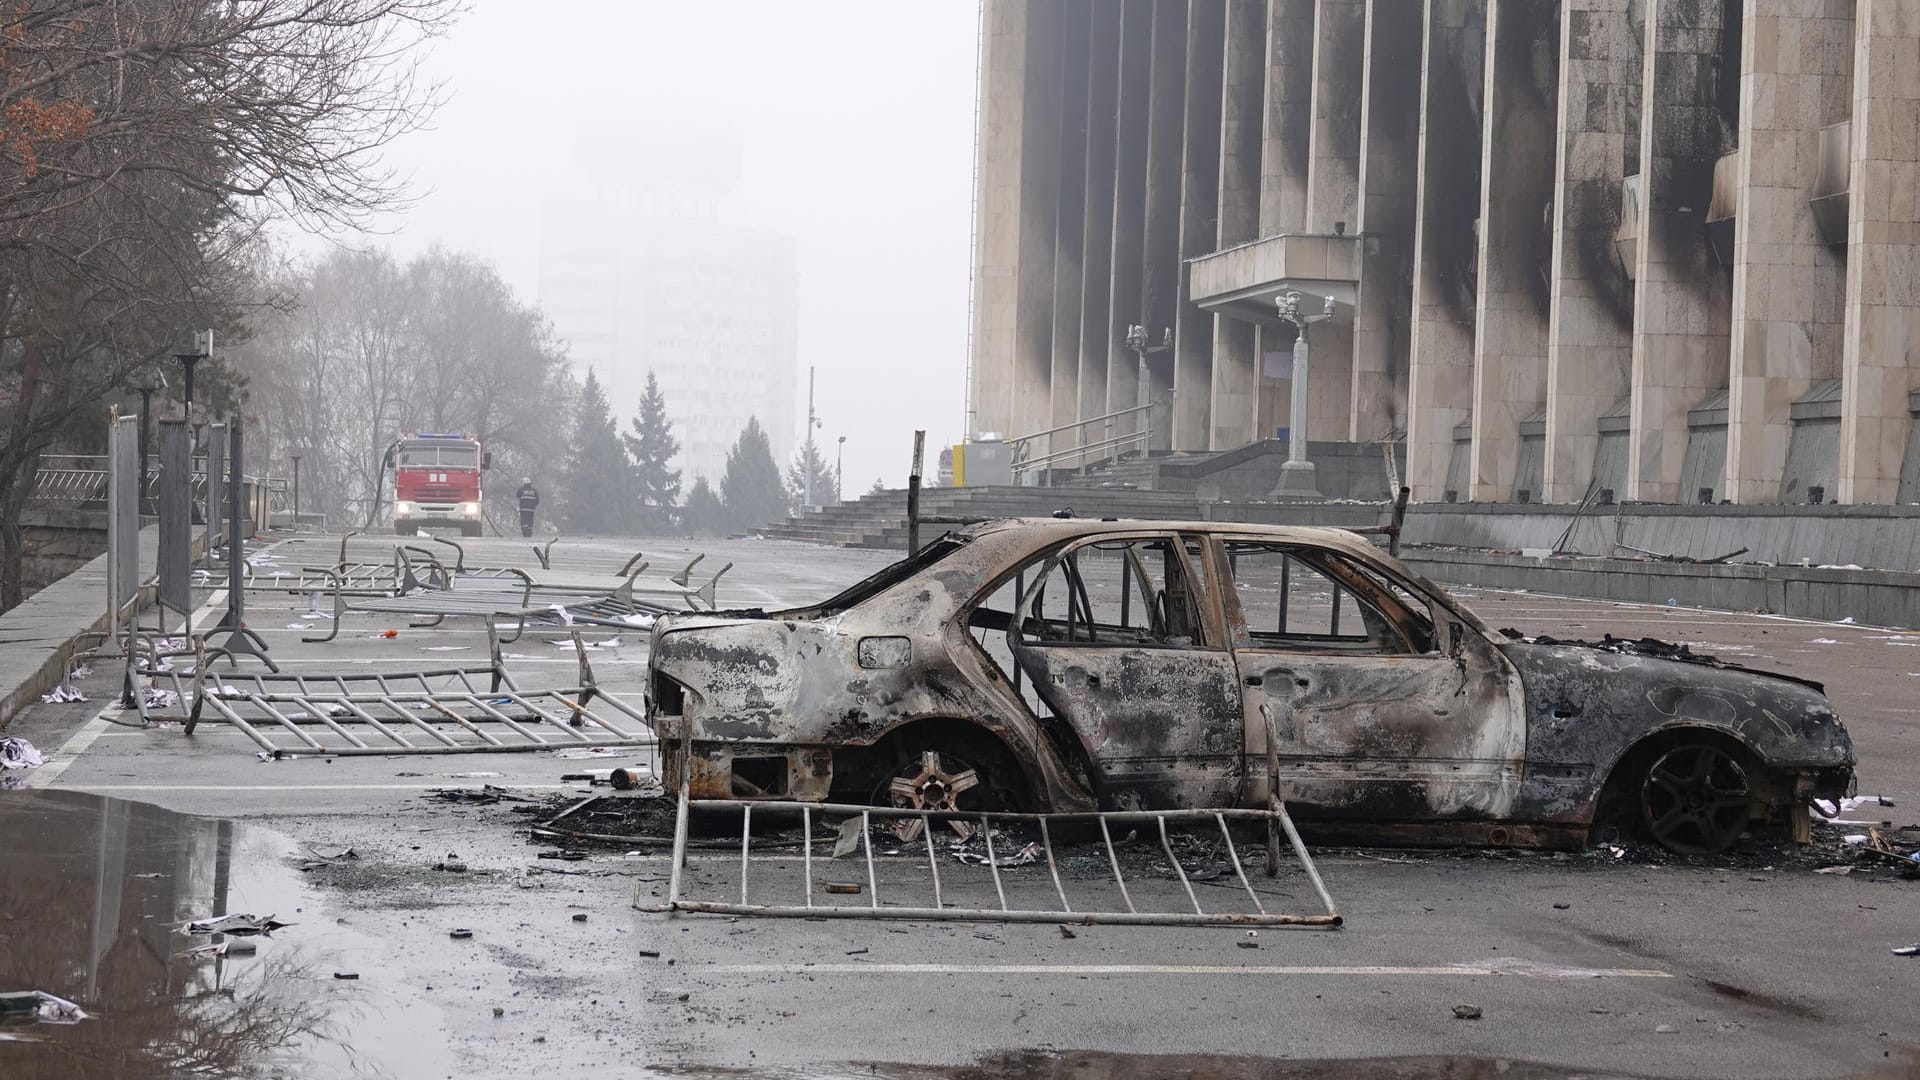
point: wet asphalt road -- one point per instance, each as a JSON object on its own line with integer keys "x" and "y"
{"x": 1758, "y": 968}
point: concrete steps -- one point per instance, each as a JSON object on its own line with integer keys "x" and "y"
{"x": 880, "y": 520}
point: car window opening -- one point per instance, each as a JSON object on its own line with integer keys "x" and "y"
{"x": 1124, "y": 592}
{"x": 1301, "y": 598}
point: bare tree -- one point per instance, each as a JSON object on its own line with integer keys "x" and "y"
{"x": 142, "y": 145}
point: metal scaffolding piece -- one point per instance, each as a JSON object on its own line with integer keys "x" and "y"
{"x": 965, "y": 877}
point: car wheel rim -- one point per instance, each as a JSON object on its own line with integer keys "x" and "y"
{"x": 1695, "y": 800}
{"x": 929, "y": 784}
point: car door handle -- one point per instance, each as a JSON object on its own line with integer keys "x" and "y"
{"x": 1255, "y": 680}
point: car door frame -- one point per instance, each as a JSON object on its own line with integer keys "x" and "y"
{"x": 1478, "y": 777}
{"x": 1187, "y": 779}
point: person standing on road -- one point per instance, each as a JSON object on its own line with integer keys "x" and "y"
{"x": 529, "y": 501}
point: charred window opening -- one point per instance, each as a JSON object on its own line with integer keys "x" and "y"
{"x": 1133, "y": 593}
{"x": 1306, "y": 598}
{"x": 891, "y": 575}
{"x": 987, "y": 624}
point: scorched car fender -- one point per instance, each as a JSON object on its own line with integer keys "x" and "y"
{"x": 1587, "y": 708}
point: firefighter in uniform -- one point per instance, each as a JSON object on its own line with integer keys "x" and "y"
{"x": 529, "y": 500}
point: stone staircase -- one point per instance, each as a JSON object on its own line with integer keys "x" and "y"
{"x": 880, "y": 520}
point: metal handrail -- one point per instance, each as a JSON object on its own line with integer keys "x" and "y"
{"x": 1025, "y": 462}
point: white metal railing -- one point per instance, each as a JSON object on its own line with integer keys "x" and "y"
{"x": 1108, "y": 446}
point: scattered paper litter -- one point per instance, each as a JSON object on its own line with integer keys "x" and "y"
{"x": 445, "y": 648}
{"x": 153, "y": 697}
{"x": 640, "y": 619}
{"x": 473, "y": 775}
{"x": 18, "y": 753}
{"x": 298, "y": 626}
{"x": 610, "y": 643}
{"x": 1855, "y": 838}
{"x": 61, "y": 694}
{"x": 1823, "y": 641}
{"x": 565, "y": 616}
{"x": 1846, "y": 621}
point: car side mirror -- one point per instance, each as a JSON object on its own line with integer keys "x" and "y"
{"x": 486, "y": 460}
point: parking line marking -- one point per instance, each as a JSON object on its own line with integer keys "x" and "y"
{"x": 1177, "y": 969}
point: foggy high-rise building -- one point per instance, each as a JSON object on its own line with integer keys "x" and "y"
{"x": 639, "y": 280}
{"x": 1666, "y": 248}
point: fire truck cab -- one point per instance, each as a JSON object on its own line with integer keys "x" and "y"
{"x": 436, "y": 482}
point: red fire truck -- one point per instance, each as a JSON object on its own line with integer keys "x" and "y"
{"x": 436, "y": 482}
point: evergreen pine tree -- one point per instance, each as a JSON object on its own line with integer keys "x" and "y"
{"x": 704, "y": 513}
{"x": 651, "y": 445}
{"x": 752, "y": 489}
{"x": 597, "y": 487}
{"x": 806, "y": 459}
{"x": 879, "y": 487}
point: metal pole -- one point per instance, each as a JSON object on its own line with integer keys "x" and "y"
{"x": 913, "y": 493}
{"x": 839, "y": 470}
{"x": 807, "y": 483}
{"x": 296, "y": 491}
{"x": 1297, "y": 415}
{"x": 146, "y": 420}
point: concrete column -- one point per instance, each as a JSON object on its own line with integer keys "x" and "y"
{"x": 1242, "y": 118}
{"x": 1096, "y": 291}
{"x": 1440, "y": 390}
{"x": 1339, "y": 90}
{"x": 1019, "y": 166}
{"x": 1789, "y": 285}
{"x": 1236, "y": 359}
{"x": 1682, "y": 300}
{"x": 1389, "y": 159}
{"x": 1516, "y": 240}
{"x": 1160, "y": 281}
{"x": 1129, "y": 202}
{"x": 1069, "y": 250}
{"x": 1590, "y": 344}
{"x": 1274, "y": 400}
{"x": 1333, "y": 194}
{"x": 1881, "y": 350}
{"x": 1287, "y": 138}
{"x": 1199, "y": 214}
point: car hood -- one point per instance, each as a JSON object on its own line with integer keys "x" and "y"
{"x": 1588, "y": 701}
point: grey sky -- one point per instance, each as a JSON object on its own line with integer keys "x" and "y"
{"x": 845, "y": 124}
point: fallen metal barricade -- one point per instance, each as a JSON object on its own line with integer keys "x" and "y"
{"x": 436, "y": 711}
{"x": 940, "y": 908}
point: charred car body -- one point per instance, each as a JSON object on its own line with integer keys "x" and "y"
{"x": 1079, "y": 665}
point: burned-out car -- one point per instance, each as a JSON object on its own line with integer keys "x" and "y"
{"x": 1074, "y": 665}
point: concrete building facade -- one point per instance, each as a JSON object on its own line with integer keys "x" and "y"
{"x": 654, "y": 281}
{"x": 1668, "y": 249}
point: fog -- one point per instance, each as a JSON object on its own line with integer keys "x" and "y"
{"x": 847, "y": 126}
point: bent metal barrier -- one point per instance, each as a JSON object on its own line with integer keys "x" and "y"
{"x": 433, "y": 711}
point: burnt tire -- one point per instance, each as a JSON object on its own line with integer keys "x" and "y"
{"x": 934, "y": 766}
{"x": 1695, "y": 798}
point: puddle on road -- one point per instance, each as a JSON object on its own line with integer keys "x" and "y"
{"x": 92, "y": 890}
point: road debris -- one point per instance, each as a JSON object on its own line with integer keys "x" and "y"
{"x": 62, "y": 694}
{"x": 1907, "y": 950}
{"x": 18, "y": 753}
{"x": 42, "y": 1006}
{"x": 460, "y": 933}
{"x": 1466, "y": 1012}
{"x": 237, "y": 925}
{"x": 1026, "y": 856}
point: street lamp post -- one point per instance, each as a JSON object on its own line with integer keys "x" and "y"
{"x": 839, "y": 462}
{"x": 147, "y": 381}
{"x": 1297, "y": 475}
